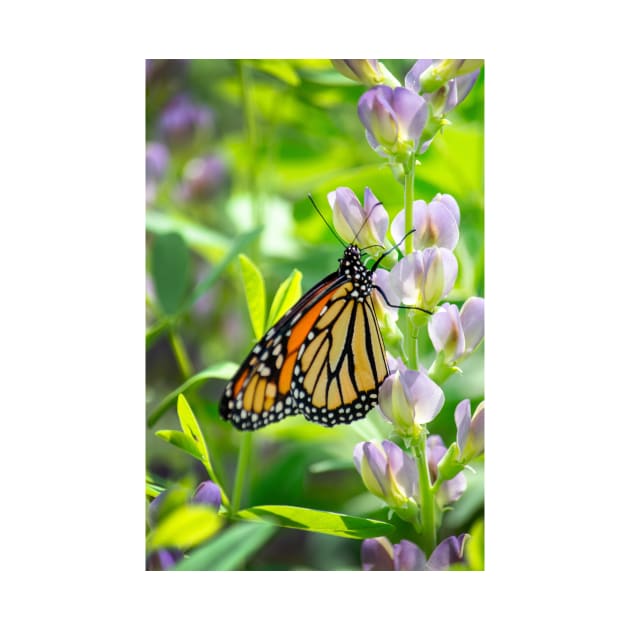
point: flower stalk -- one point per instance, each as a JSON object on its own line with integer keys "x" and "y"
{"x": 428, "y": 536}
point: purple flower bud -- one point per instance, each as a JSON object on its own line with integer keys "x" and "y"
{"x": 457, "y": 334}
{"x": 163, "y": 559}
{"x": 387, "y": 472}
{"x": 450, "y": 551}
{"x": 409, "y": 557}
{"x": 424, "y": 278}
{"x": 181, "y": 120}
{"x": 207, "y": 493}
{"x": 440, "y": 72}
{"x": 409, "y": 399}
{"x": 394, "y": 120}
{"x": 203, "y": 178}
{"x": 378, "y": 554}
{"x": 436, "y": 223}
{"x": 361, "y": 224}
{"x": 366, "y": 71}
{"x": 470, "y": 430}
{"x": 452, "y": 489}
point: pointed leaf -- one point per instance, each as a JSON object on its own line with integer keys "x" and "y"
{"x": 331, "y": 523}
{"x": 181, "y": 440}
{"x": 170, "y": 268}
{"x": 255, "y": 293}
{"x": 286, "y": 296}
{"x": 190, "y": 426}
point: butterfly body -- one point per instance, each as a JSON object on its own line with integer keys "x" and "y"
{"x": 324, "y": 359}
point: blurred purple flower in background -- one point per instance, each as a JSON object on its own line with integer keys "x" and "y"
{"x": 409, "y": 399}
{"x": 457, "y": 334}
{"x": 378, "y": 554}
{"x": 423, "y": 278}
{"x": 451, "y": 489}
{"x": 203, "y": 178}
{"x": 436, "y": 223}
{"x": 163, "y": 559}
{"x": 387, "y": 472}
{"x": 157, "y": 160}
{"x": 207, "y": 493}
{"x": 470, "y": 430}
{"x": 181, "y": 120}
{"x": 394, "y": 119}
{"x": 361, "y": 224}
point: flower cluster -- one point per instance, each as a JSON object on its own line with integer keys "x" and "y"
{"x": 378, "y": 554}
{"x": 416, "y": 474}
{"x": 179, "y": 142}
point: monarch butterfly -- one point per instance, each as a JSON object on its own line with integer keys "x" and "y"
{"x": 324, "y": 359}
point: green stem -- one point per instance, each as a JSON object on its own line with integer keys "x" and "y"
{"x": 410, "y": 171}
{"x": 252, "y": 141}
{"x": 244, "y": 457}
{"x": 179, "y": 349}
{"x": 427, "y": 496}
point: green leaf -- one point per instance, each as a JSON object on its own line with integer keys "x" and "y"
{"x": 170, "y": 268}
{"x": 192, "y": 430}
{"x": 181, "y": 440}
{"x": 317, "y": 521}
{"x": 207, "y": 242}
{"x": 278, "y": 68}
{"x": 223, "y": 371}
{"x": 255, "y": 293}
{"x": 286, "y": 296}
{"x": 190, "y": 426}
{"x": 229, "y": 550}
{"x": 185, "y": 527}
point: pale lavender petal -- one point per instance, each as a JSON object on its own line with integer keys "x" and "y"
{"x": 472, "y": 317}
{"x": 427, "y": 397}
{"x": 461, "y": 88}
{"x": 406, "y": 277}
{"x": 409, "y": 557}
{"x": 377, "y": 554}
{"x": 440, "y": 273}
{"x": 376, "y": 215}
{"x": 462, "y": 421}
{"x": 446, "y": 332}
{"x": 435, "y": 451}
{"x": 412, "y": 77}
{"x": 436, "y": 225}
{"x": 448, "y": 552}
{"x": 377, "y": 115}
{"x": 452, "y": 489}
{"x": 411, "y": 111}
{"x": 403, "y": 468}
{"x": 347, "y": 212}
{"x": 450, "y": 203}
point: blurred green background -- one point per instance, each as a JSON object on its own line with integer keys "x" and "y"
{"x": 251, "y": 140}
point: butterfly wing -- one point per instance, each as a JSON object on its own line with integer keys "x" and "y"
{"x": 260, "y": 391}
{"x": 342, "y": 363}
{"x": 324, "y": 359}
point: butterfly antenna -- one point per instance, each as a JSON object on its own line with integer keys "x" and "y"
{"x": 330, "y": 227}
{"x": 389, "y": 251}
